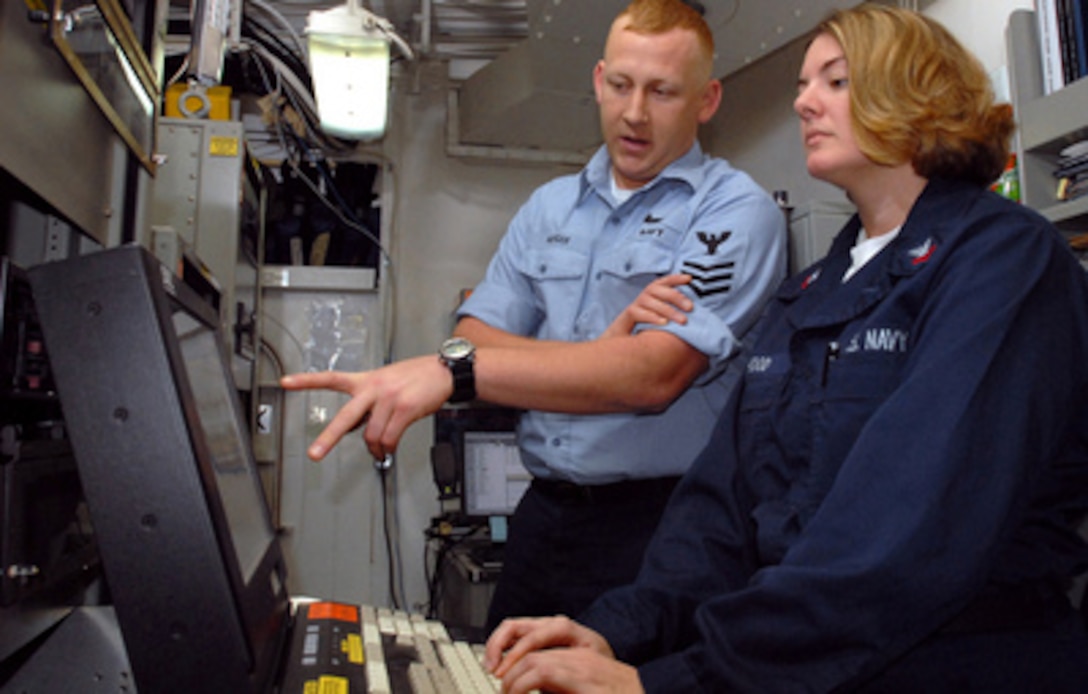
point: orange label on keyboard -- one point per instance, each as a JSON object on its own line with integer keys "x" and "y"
{"x": 334, "y": 610}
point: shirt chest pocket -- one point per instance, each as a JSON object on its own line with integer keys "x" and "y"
{"x": 620, "y": 276}
{"x": 862, "y": 376}
{"x": 640, "y": 264}
{"x": 555, "y": 265}
{"x": 557, "y": 277}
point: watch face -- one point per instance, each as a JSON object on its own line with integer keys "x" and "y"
{"x": 457, "y": 348}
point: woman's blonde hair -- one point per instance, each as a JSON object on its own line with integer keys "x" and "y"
{"x": 917, "y": 95}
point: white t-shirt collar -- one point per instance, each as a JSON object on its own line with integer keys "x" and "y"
{"x": 866, "y": 248}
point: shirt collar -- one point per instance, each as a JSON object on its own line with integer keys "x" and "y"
{"x": 938, "y": 209}
{"x": 596, "y": 175}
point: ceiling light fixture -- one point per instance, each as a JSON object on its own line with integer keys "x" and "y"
{"x": 349, "y": 61}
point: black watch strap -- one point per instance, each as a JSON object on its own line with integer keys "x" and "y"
{"x": 464, "y": 381}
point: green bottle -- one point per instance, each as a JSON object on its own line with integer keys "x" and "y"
{"x": 1008, "y": 184}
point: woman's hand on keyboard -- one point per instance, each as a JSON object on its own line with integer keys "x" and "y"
{"x": 555, "y": 654}
{"x": 573, "y": 670}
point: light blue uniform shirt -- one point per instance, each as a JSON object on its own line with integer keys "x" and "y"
{"x": 572, "y": 260}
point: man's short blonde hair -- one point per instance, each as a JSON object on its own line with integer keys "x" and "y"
{"x": 659, "y": 16}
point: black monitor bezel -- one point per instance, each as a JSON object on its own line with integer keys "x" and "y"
{"x": 189, "y": 619}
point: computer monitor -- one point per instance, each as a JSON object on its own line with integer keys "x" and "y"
{"x": 489, "y": 477}
{"x": 194, "y": 569}
{"x": 495, "y": 478}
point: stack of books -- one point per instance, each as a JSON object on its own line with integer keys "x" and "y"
{"x": 1072, "y": 171}
{"x": 1063, "y": 41}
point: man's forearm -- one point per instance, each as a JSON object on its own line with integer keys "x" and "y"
{"x": 481, "y": 334}
{"x": 643, "y": 372}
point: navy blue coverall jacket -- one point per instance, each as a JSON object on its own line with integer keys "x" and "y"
{"x": 901, "y": 444}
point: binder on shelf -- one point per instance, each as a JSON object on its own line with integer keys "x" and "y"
{"x": 1053, "y": 128}
{"x": 1063, "y": 41}
{"x": 1050, "y": 45}
{"x": 1068, "y": 41}
{"x": 1080, "y": 34}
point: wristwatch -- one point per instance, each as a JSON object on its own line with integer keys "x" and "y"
{"x": 458, "y": 354}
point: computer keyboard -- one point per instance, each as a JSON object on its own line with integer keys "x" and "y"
{"x": 408, "y": 654}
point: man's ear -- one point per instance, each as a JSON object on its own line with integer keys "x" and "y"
{"x": 712, "y": 99}
{"x": 598, "y": 79}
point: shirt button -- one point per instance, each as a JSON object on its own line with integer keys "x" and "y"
{"x": 627, "y": 267}
{"x": 557, "y": 442}
{"x": 598, "y": 276}
{"x": 543, "y": 268}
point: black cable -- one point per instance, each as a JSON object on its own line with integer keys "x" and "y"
{"x": 283, "y": 88}
{"x": 434, "y": 584}
{"x": 383, "y": 476}
{"x": 331, "y": 185}
{"x": 272, "y": 50}
{"x": 357, "y": 225}
{"x": 322, "y": 141}
{"x": 434, "y": 579}
{"x": 260, "y": 33}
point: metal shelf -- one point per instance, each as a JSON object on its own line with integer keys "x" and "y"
{"x": 1047, "y": 124}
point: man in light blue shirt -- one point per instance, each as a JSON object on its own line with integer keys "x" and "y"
{"x": 574, "y": 257}
{"x": 569, "y": 322}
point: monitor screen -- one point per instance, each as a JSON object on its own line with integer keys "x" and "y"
{"x": 495, "y": 478}
{"x": 235, "y": 474}
{"x": 195, "y": 571}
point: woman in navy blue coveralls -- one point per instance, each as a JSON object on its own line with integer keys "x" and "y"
{"x": 891, "y": 501}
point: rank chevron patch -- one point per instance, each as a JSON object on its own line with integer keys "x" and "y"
{"x": 707, "y": 280}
